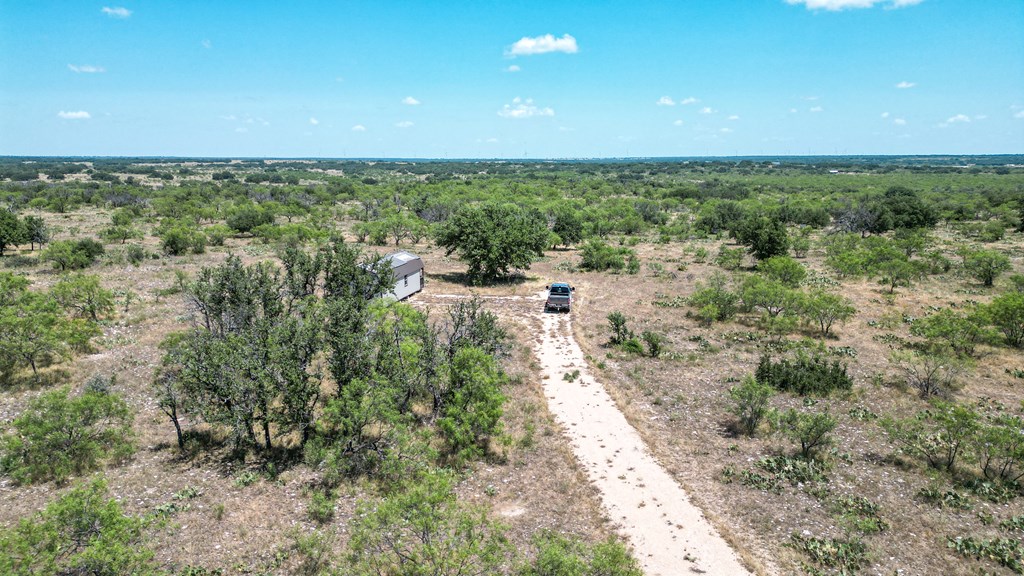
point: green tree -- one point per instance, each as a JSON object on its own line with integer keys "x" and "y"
{"x": 824, "y": 309}
{"x": 72, "y": 254}
{"x": 34, "y": 331}
{"x": 494, "y": 238}
{"x": 60, "y": 436}
{"x": 36, "y": 231}
{"x": 960, "y": 332}
{"x": 764, "y": 236}
{"x": 472, "y": 404}
{"x": 83, "y": 295}
{"x": 567, "y": 225}
{"x": 713, "y": 299}
{"x": 750, "y": 403}
{"x": 423, "y": 530}
{"x": 120, "y": 234}
{"x": 986, "y": 265}
{"x": 12, "y": 230}
{"x": 783, "y": 269}
{"x": 244, "y": 220}
{"x": 1007, "y": 314}
{"x": 558, "y": 555}
{"x": 810, "y": 431}
{"x": 82, "y": 532}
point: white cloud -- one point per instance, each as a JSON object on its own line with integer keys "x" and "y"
{"x": 523, "y": 109}
{"x": 359, "y": 128}
{"x": 725, "y": 130}
{"x": 206, "y": 44}
{"x": 1019, "y": 114}
{"x": 527, "y": 46}
{"x": 885, "y": 114}
{"x": 690, "y": 100}
{"x": 75, "y": 115}
{"x": 734, "y": 117}
{"x": 229, "y": 117}
{"x": 904, "y": 85}
{"x": 86, "y": 69}
{"x": 313, "y": 121}
{"x": 404, "y": 124}
{"x": 513, "y": 68}
{"x": 835, "y": 5}
{"x": 959, "y": 118}
{"x": 981, "y": 117}
{"x": 817, "y": 109}
{"x": 410, "y": 101}
{"x": 677, "y": 123}
{"x": 899, "y": 122}
{"x": 665, "y": 101}
{"x": 117, "y": 12}
{"x": 792, "y": 110}
{"x": 707, "y": 110}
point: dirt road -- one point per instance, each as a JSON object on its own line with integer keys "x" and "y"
{"x": 669, "y": 535}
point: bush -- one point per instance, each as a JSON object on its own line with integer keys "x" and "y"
{"x": 804, "y": 375}
{"x": 179, "y": 240}
{"x": 654, "y": 342}
{"x": 1007, "y": 314}
{"x": 81, "y": 532}
{"x": 59, "y": 436}
{"x": 824, "y": 309}
{"x": 321, "y": 507}
{"x": 562, "y": 556}
{"x": 135, "y": 254}
{"x": 764, "y": 236}
{"x": 713, "y": 301}
{"x": 750, "y": 403}
{"x": 72, "y": 254}
{"x": 932, "y": 372}
{"x": 246, "y": 219}
{"x": 729, "y": 258}
{"x": 598, "y": 256}
{"x": 620, "y": 333}
{"x": 84, "y": 296}
{"x": 941, "y": 435}
{"x": 783, "y": 269}
{"x": 810, "y": 431}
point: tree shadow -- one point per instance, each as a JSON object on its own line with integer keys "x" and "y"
{"x": 45, "y": 378}
{"x": 513, "y": 279}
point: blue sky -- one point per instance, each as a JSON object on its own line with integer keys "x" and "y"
{"x": 485, "y": 79}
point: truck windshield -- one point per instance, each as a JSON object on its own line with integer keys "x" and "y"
{"x": 559, "y": 289}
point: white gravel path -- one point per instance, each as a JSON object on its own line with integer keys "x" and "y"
{"x": 669, "y": 535}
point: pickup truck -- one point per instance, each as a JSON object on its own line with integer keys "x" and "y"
{"x": 559, "y": 297}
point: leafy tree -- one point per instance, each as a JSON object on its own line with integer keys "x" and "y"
{"x": 960, "y": 332}
{"x": 620, "y": 333}
{"x": 771, "y": 296}
{"x": 33, "y": 331}
{"x": 82, "y": 532}
{"x": 567, "y": 225}
{"x": 729, "y": 258}
{"x": 824, "y": 309}
{"x": 941, "y": 435}
{"x": 180, "y": 239}
{"x": 597, "y": 255}
{"x": 986, "y": 265}
{"x": 764, "y": 236}
{"x": 895, "y": 272}
{"x": 783, "y": 269}
{"x": 494, "y": 238}
{"x": 120, "y": 234}
{"x": 472, "y": 403}
{"x": 36, "y": 231}
{"x": 1000, "y": 447}
{"x": 750, "y": 403}
{"x": 59, "y": 436}
{"x": 906, "y": 209}
{"x": 83, "y": 295}
{"x": 1007, "y": 314}
{"x": 73, "y": 254}
{"x": 12, "y": 230}
{"x": 423, "y": 529}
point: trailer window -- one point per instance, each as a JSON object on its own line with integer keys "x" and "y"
{"x": 406, "y": 279}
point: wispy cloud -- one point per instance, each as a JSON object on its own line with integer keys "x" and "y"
{"x": 313, "y": 121}
{"x": 359, "y": 128}
{"x": 665, "y": 101}
{"x": 836, "y": 5}
{"x": 75, "y": 115}
{"x": 958, "y": 119}
{"x": 690, "y": 100}
{"x": 899, "y": 122}
{"x": 734, "y": 117}
{"x": 816, "y": 109}
{"x": 513, "y": 68}
{"x": 206, "y": 44}
{"x": 520, "y": 108}
{"x": 404, "y": 124}
{"x": 117, "y": 11}
{"x": 1019, "y": 114}
{"x": 410, "y": 101}
{"x": 527, "y": 46}
{"x": 86, "y": 69}
{"x": 904, "y": 85}
{"x": 725, "y": 130}
{"x": 677, "y": 123}
{"x": 885, "y": 114}
{"x": 707, "y": 110}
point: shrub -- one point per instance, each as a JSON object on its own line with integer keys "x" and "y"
{"x": 941, "y": 435}
{"x": 246, "y": 219}
{"x": 178, "y": 240}
{"x": 620, "y": 332}
{"x": 783, "y": 269}
{"x": 599, "y": 256}
{"x": 765, "y": 236}
{"x": 321, "y": 507}
{"x": 961, "y": 333}
{"x": 556, "y": 554}
{"x": 59, "y": 436}
{"x": 824, "y": 309}
{"x": 72, "y": 254}
{"x": 729, "y": 258}
{"x": 84, "y": 296}
{"x": 135, "y": 254}
{"x": 810, "y": 431}
{"x": 81, "y": 532}
{"x": 1007, "y": 314}
{"x": 931, "y": 371}
{"x": 654, "y": 342}
{"x": 848, "y": 556}
{"x": 750, "y": 403}
{"x": 804, "y": 375}
{"x": 713, "y": 301}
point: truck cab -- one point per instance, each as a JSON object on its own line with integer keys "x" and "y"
{"x": 559, "y": 297}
